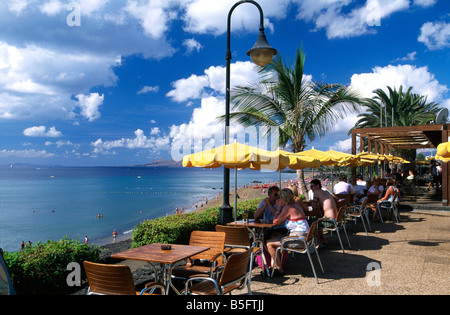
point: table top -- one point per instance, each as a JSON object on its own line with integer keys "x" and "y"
{"x": 154, "y": 253}
{"x": 252, "y": 223}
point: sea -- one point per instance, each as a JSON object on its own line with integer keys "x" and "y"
{"x": 38, "y": 204}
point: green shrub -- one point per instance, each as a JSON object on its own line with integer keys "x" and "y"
{"x": 176, "y": 229}
{"x": 42, "y": 268}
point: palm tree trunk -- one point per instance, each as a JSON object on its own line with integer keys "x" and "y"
{"x": 301, "y": 184}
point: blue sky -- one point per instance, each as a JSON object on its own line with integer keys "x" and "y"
{"x": 125, "y": 82}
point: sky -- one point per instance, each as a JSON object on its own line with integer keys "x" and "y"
{"x": 126, "y": 82}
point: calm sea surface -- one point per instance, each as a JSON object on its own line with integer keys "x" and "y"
{"x": 40, "y": 204}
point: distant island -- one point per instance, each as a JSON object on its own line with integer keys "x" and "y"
{"x": 160, "y": 163}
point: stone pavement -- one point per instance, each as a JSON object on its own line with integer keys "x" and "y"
{"x": 413, "y": 257}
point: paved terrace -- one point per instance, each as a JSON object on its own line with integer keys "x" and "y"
{"x": 414, "y": 257}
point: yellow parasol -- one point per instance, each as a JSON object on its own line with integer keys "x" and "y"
{"x": 324, "y": 158}
{"x": 341, "y": 158}
{"x": 236, "y": 155}
{"x": 443, "y": 152}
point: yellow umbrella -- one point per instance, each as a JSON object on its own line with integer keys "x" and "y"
{"x": 324, "y": 158}
{"x": 297, "y": 161}
{"x": 371, "y": 156}
{"x": 342, "y": 159}
{"x": 236, "y": 155}
{"x": 443, "y": 152}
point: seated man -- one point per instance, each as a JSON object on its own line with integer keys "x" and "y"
{"x": 268, "y": 206}
{"x": 342, "y": 187}
{"x": 326, "y": 202}
{"x": 357, "y": 191}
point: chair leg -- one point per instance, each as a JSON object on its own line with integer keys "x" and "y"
{"x": 367, "y": 218}
{"x": 379, "y": 212}
{"x": 340, "y": 241}
{"x": 364, "y": 224}
{"x": 312, "y": 265}
{"x": 345, "y": 231}
{"x": 318, "y": 258}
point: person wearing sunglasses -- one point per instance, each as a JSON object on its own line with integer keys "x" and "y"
{"x": 268, "y": 206}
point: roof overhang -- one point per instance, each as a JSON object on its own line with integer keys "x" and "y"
{"x": 409, "y": 137}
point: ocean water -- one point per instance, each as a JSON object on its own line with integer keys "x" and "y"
{"x": 40, "y": 204}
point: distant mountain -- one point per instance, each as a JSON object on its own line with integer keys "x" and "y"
{"x": 161, "y": 163}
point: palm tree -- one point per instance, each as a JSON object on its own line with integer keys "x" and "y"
{"x": 300, "y": 108}
{"x": 398, "y": 109}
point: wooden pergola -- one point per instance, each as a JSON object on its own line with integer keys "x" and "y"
{"x": 382, "y": 140}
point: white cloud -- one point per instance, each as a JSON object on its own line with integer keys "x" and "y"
{"x": 90, "y": 104}
{"x": 422, "y": 81}
{"x": 26, "y": 153}
{"x": 435, "y": 35}
{"x": 342, "y": 146}
{"x": 41, "y": 71}
{"x": 148, "y": 89}
{"x": 409, "y": 57}
{"x": 425, "y": 3}
{"x": 52, "y": 7}
{"x": 191, "y": 45}
{"x": 152, "y": 15}
{"x": 141, "y": 141}
{"x": 61, "y": 143}
{"x": 213, "y": 81}
{"x": 331, "y": 15}
{"x": 41, "y": 131}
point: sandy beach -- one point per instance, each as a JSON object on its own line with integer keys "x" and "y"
{"x": 257, "y": 190}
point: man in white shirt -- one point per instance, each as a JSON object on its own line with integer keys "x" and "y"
{"x": 342, "y": 187}
{"x": 357, "y": 190}
{"x": 361, "y": 182}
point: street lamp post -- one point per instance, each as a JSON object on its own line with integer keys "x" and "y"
{"x": 261, "y": 54}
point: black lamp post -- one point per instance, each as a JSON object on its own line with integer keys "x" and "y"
{"x": 261, "y": 54}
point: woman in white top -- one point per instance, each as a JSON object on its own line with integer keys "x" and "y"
{"x": 388, "y": 198}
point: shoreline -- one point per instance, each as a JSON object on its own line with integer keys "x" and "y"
{"x": 248, "y": 192}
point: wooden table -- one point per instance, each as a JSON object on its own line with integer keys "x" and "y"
{"x": 256, "y": 228}
{"x": 153, "y": 253}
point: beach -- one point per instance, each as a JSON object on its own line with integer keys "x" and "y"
{"x": 248, "y": 192}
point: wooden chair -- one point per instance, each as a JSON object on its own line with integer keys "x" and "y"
{"x": 205, "y": 262}
{"x": 372, "y": 203}
{"x": 358, "y": 211}
{"x": 301, "y": 245}
{"x": 237, "y": 240}
{"x": 233, "y": 276}
{"x": 343, "y": 200}
{"x": 115, "y": 280}
{"x": 339, "y": 224}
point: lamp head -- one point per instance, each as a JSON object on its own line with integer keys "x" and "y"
{"x": 262, "y": 53}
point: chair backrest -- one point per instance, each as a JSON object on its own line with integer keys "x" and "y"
{"x": 109, "y": 279}
{"x": 236, "y": 267}
{"x": 343, "y": 199}
{"x": 235, "y": 235}
{"x": 312, "y": 232}
{"x": 372, "y": 198}
{"x": 214, "y": 240}
{"x": 341, "y": 214}
{"x": 364, "y": 204}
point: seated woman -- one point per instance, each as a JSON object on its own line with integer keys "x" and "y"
{"x": 388, "y": 198}
{"x": 297, "y": 199}
{"x": 295, "y": 221}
